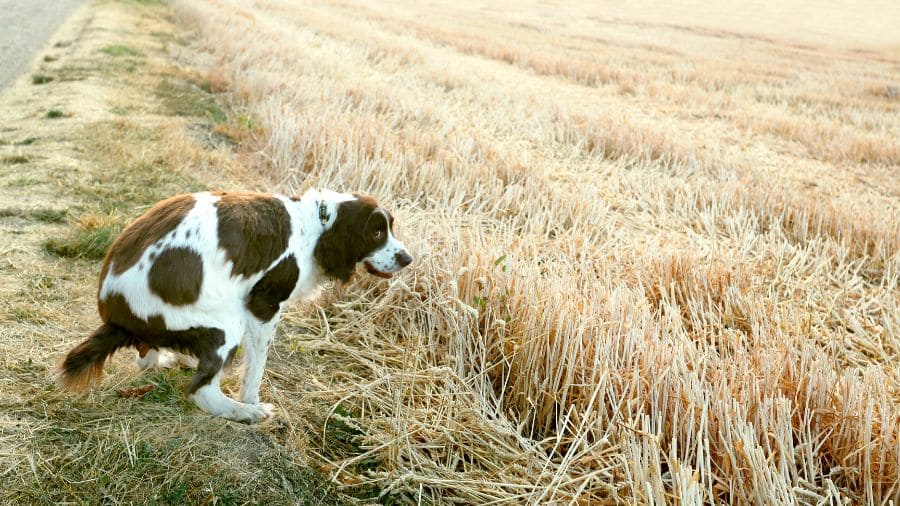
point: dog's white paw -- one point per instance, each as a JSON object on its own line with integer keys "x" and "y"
{"x": 253, "y": 413}
{"x": 268, "y": 409}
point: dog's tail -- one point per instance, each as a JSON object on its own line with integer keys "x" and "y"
{"x": 84, "y": 364}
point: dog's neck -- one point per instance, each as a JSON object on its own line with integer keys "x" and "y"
{"x": 320, "y": 206}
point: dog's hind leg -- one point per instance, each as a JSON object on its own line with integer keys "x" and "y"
{"x": 204, "y": 387}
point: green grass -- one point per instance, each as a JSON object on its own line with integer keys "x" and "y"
{"x": 157, "y": 450}
{"x": 14, "y": 159}
{"x": 127, "y": 191}
{"x": 43, "y": 215}
{"x": 50, "y": 215}
{"x": 24, "y": 314}
{"x": 23, "y": 182}
{"x": 185, "y": 98}
{"x": 166, "y": 37}
{"x": 168, "y": 387}
{"x": 138, "y": 459}
{"x": 343, "y": 437}
{"x": 85, "y": 241}
{"x": 41, "y": 79}
{"x": 75, "y": 72}
{"x": 121, "y": 50}
{"x": 54, "y": 114}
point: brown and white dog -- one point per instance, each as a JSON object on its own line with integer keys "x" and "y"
{"x": 203, "y": 273}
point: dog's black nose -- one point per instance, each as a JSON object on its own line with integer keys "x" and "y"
{"x": 403, "y": 259}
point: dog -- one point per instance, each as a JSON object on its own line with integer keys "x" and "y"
{"x": 202, "y": 273}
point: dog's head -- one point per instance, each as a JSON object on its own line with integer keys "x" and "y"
{"x": 360, "y": 232}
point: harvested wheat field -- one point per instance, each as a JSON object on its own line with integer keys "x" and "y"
{"x": 657, "y": 259}
{"x": 656, "y": 263}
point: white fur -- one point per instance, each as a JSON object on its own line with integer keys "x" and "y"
{"x": 221, "y": 303}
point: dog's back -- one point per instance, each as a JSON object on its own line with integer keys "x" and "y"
{"x": 190, "y": 261}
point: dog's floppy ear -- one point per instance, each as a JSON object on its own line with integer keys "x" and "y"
{"x": 344, "y": 244}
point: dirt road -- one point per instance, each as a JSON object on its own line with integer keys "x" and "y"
{"x": 30, "y": 25}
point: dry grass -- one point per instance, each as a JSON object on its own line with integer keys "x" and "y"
{"x": 655, "y": 263}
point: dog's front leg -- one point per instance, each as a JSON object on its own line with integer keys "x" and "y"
{"x": 256, "y": 347}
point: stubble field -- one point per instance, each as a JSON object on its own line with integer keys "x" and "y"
{"x": 655, "y": 261}
{"x": 657, "y": 251}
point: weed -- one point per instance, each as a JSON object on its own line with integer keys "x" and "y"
{"x": 75, "y": 72}
{"x": 176, "y": 494}
{"x": 167, "y": 37}
{"x": 44, "y": 215}
{"x": 121, "y": 50}
{"x": 54, "y": 114}
{"x": 343, "y": 433}
{"x": 168, "y": 386}
{"x": 143, "y": 185}
{"x": 41, "y": 79}
{"x": 23, "y": 314}
{"x": 14, "y": 159}
{"x": 23, "y": 182}
{"x": 185, "y": 98}
{"x": 90, "y": 238}
{"x": 50, "y": 215}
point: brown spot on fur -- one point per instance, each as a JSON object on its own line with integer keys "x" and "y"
{"x": 254, "y": 229}
{"x": 119, "y": 314}
{"x": 274, "y": 288}
{"x": 144, "y": 231}
{"x": 176, "y": 276}
{"x": 351, "y": 237}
